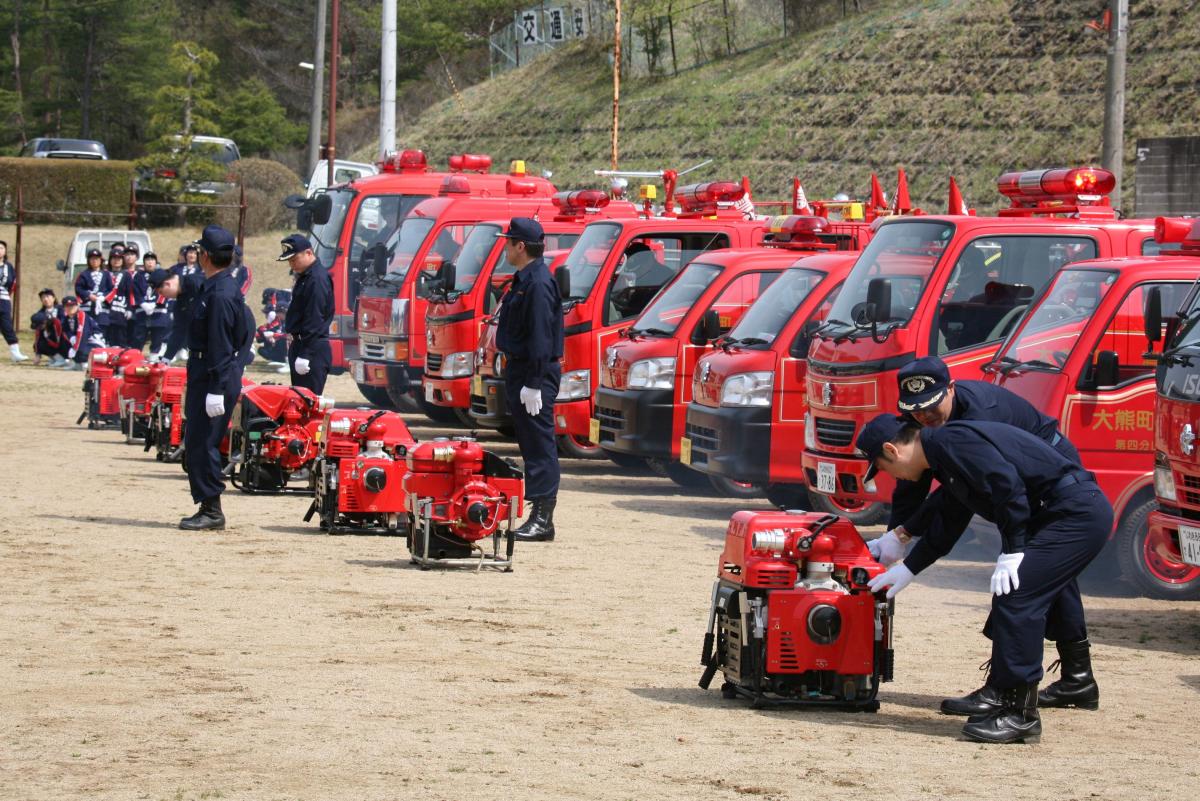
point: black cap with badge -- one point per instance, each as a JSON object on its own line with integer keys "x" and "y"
{"x": 923, "y": 383}
{"x": 293, "y": 244}
{"x": 158, "y": 277}
{"x": 874, "y": 435}
{"x": 524, "y": 229}
{"x": 216, "y": 239}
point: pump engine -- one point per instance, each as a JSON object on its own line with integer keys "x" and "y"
{"x": 273, "y": 439}
{"x": 459, "y": 494}
{"x": 792, "y": 620}
{"x": 135, "y": 396}
{"x": 101, "y": 407}
{"x": 165, "y": 430}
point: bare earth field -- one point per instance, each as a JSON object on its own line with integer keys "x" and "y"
{"x": 272, "y": 662}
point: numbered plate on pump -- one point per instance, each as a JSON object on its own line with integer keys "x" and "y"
{"x": 1189, "y": 544}
{"x": 477, "y": 385}
{"x": 826, "y": 477}
{"x": 360, "y": 372}
{"x": 685, "y": 450}
{"x": 594, "y": 430}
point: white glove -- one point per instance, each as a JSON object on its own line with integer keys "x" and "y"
{"x": 302, "y": 366}
{"x": 148, "y": 307}
{"x": 1004, "y": 577}
{"x": 270, "y": 317}
{"x": 531, "y": 399}
{"x": 214, "y": 405}
{"x": 269, "y": 336}
{"x": 886, "y": 549}
{"x": 897, "y": 577}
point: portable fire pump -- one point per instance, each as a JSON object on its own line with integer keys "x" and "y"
{"x": 165, "y": 430}
{"x": 792, "y": 620}
{"x": 345, "y": 500}
{"x": 104, "y": 376}
{"x": 273, "y": 438}
{"x": 458, "y": 495}
{"x": 135, "y": 396}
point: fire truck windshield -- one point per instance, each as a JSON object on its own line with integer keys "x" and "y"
{"x": 588, "y": 256}
{"x": 325, "y": 236}
{"x": 667, "y": 311}
{"x": 903, "y": 253}
{"x": 1187, "y": 337}
{"x": 766, "y": 317}
{"x": 1055, "y": 326}
{"x": 406, "y": 244}
{"x": 474, "y": 253}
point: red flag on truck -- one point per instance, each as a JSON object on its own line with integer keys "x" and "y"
{"x": 956, "y": 204}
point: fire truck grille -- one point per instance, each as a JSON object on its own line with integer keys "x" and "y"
{"x": 1191, "y": 482}
{"x": 789, "y": 658}
{"x": 731, "y": 633}
{"x": 703, "y": 439}
{"x": 479, "y": 406}
{"x": 433, "y": 363}
{"x": 835, "y": 433}
{"x": 1192, "y": 498}
{"x": 372, "y": 350}
{"x": 610, "y": 418}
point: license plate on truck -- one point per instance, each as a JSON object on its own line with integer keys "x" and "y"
{"x": 685, "y": 450}
{"x": 826, "y": 477}
{"x": 594, "y": 430}
{"x": 360, "y": 372}
{"x": 429, "y": 393}
{"x": 1189, "y": 544}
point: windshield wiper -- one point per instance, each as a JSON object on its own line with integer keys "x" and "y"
{"x": 654, "y": 332}
{"x": 825, "y": 326}
{"x": 1037, "y": 364}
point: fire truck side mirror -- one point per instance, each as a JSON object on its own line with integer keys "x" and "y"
{"x": 563, "y": 277}
{"x": 1154, "y": 318}
{"x": 799, "y": 348}
{"x": 710, "y": 327}
{"x": 379, "y": 263}
{"x": 879, "y": 300}
{"x": 61, "y": 265}
{"x": 1106, "y": 372}
{"x": 320, "y": 206}
{"x": 446, "y": 277}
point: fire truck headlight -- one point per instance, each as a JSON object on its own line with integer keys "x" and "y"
{"x": 652, "y": 374}
{"x": 748, "y": 389}
{"x": 810, "y": 432}
{"x": 824, "y": 624}
{"x": 457, "y": 365}
{"x": 575, "y": 385}
{"x": 1164, "y": 482}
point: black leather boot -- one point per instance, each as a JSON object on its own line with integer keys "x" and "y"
{"x": 1077, "y": 686}
{"x": 1016, "y": 721}
{"x": 540, "y": 525}
{"x": 983, "y": 701}
{"x": 208, "y": 517}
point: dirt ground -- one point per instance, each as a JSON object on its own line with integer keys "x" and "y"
{"x": 272, "y": 662}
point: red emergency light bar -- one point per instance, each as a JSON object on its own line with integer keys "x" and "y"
{"x": 469, "y": 162}
{"x": 708, "y": 197}
{"x": 573, "y": 204}
{"x": 455, "y": 185}
{"x": 515, "y": 186}
{"x": 404, "y": 161}
{"x": 1075, "y": 184}
{"x": 1182, "y": 230}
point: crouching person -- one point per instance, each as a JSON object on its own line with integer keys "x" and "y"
{"x": 78, "y": 334}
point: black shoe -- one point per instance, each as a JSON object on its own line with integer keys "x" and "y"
{"x": 1016, "y": 721}
{"x": 540, "y": 525}
{"x": 209, "y": 517}
{"x": 983, "y": 701}
{"x": 1077, "y": 687}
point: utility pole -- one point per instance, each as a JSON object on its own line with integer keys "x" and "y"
{"x": 387, "y": 81}
{"x": 616, "y": 123}
{"x": 318, "y": 89}
{"x": 335, "y": 53}
{"x": 1113, "y": 156}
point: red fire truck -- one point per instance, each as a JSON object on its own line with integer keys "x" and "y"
{"x": 453, "y": 319}
{"x": 952, "y": 286}
{"x": 646, "y": 378}
{"x": 390, "y": 316}
{"x": 347, "y": 220}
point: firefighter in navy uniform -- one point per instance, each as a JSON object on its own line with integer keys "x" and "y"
{"x": 930, "y": 398}
{"x": 309, "y": 316}
{"x": 1053, "y": 521}
{"x": 8, "y": 280}
{"x": 77, "y": 333}
{"x": 157, "y": 308}
{"x": 92, "y": 285}
{"x": 136, "y": 327}
{"x": 44, "y": 323}
{"x": 216, "y": 335}
{"x": 119, "y": 299}
{"x": 530, "y": 334}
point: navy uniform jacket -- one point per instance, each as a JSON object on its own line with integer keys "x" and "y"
{"x": 44, "y": 323}
{"x": 77, "y": 329}
{"x": 161, "y": 316}
{"x": 8, "y": 278}
{"x": 311, "y": 312}
{"x": 993, "y": 470}
{"x": 89, "y": 282}
{"x": 977, "y": 400}
{"x": 530, "y": 330}
{"x": 216, "y": 334}
{"x": 124, "y": 297}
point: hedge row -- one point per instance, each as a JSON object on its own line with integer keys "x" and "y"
{"x": 67, "y": 188}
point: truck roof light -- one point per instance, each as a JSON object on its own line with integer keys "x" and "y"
{"x": 579, "y": 201}
{"x": 707, "y": 198}
{"x": 517, "y": 167}
{"x": 1081, "y": 183}
{"x": 515, "y": 186}
{"x": 404, "y": 161}
{"x": 455, "y": 185}
{"x": 796, "y": 227}
{"x": 470, "y": 162}
{"x": 1182, "y": 230}
{"x": 648, "y": 192}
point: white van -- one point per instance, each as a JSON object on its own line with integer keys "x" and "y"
{"x": 102, "y": 239}
{"x": 343, "y": 171}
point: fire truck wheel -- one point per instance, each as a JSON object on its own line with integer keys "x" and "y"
{"x": 574, "y": 447}
{"x": 788, "y": 496}
{"x": 1153, "y": 567}
{"x": 464, "y": 418}
{"x": 860, "y": 513}
{"x": 438, "y": 414}
{"x": 631, "y": 464}
{"x": 685, "y": 477}
{"x": 729, "y": 488}
{"x": 377, "y": 396}
{"x": 403, "y": 401}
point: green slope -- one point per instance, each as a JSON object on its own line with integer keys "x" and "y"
{"x": 939, "y": 87}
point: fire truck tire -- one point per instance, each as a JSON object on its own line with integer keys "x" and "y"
{"x": 788, "y": 496}
{"x": 403, "y": 401}
{"x": 632, "y": 464}
{"x": 439, "y": 414}
{"x": 377, "y": 396}
{"x": 464, "y": 418}
{"x": 860, "y": 513}
{"x": 1147, "y": 565}
{"x": 574, "y": 447}
{"x": 728, "y": 488}
{"x": 683, "y": 476}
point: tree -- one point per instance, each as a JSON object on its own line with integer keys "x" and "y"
{"x": 256, "y": 120}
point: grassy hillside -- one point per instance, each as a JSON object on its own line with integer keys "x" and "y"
{"x": 964, "y": 87}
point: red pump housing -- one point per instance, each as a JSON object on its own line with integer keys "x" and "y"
{"x": 273, "y": 438}
{"x": 135, "y": 396}
{"x": 165, "y": 431}
{"x": 101, "y": 405}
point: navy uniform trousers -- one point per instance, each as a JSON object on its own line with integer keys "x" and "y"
{"x": 535, "y": 435}
{"x": 202, "y": 434}
{"x": 1065, "y": 536}
{"x": 320, "y": 360}
{"x": 6, "y": 322}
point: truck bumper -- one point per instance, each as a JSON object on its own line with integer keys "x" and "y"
{"x": 848, "y": 472}
{"x": 573, "y": 418}
{"x": 397, "y": 375}
{"x": 490, "y": 409}
{"x": 637, "y": 422}
{"x": 733, "y": 442}
{"x": 453, "y": 393}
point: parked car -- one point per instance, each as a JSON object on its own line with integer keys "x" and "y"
{"x": 343, "y": 172}
{"x": 45, "y": 147}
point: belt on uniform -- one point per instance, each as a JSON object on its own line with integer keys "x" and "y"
{"x": 1073, "y": 479}
{"x": 199, "y": 354}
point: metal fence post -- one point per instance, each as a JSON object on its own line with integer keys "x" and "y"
{"x": 16, "y": 290}
{"x": 132, "y": 203}
{"x": 241, "y": 215}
